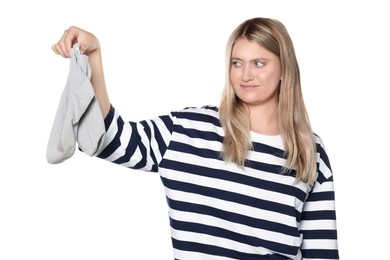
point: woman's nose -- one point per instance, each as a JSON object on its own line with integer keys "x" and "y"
{"x": 247, "y": 74}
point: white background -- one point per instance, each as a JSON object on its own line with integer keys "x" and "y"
{"x": 161, "y": 56}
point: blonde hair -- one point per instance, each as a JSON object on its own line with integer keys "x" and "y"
{"x": 294, "y": 124}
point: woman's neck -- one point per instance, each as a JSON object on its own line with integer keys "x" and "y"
{"x": 264, "y": 120}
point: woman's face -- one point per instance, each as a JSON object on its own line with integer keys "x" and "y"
{"x": 255, "y": 73}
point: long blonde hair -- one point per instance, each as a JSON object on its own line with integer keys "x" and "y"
{"x": 294, "y": 124}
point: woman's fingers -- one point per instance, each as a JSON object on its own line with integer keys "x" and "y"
{"x": 69, "y": 38}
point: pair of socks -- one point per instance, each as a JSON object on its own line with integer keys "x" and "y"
{"x": 78, "y": 118}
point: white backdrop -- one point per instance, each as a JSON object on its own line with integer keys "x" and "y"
{"x": 161, "y": 56}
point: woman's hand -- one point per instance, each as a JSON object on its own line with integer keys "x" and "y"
{"x": 87, "y": 41}
{"x": 90, "y": 46}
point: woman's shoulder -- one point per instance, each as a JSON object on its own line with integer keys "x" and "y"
{"x": 318, "y": 140}
{"x": 210, "y": 110}
{"x": 206, "y": 113}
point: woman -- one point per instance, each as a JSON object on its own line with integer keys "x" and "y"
{"x": 245, "y": 180}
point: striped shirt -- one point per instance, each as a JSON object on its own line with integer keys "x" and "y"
{"x": 218, "y": 210}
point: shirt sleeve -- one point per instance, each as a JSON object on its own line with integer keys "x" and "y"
{"x": 318, "y": 219}
{"x": 138, "y": 145}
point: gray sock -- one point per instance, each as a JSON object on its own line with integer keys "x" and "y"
{"x": 78, "y": 117}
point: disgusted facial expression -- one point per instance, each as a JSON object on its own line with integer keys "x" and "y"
{"x": 255, "y": 73}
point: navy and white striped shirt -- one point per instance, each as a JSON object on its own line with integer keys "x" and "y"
{"x": 218, "y": 210}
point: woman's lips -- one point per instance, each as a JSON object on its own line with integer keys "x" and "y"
{"x": 248, "y": 86}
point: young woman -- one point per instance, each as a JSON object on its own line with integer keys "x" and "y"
{"x": 245, "y": 180}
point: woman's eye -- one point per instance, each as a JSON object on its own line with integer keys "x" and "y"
{"x": 236, "y": 63}
{"x": 259, "y": 64}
